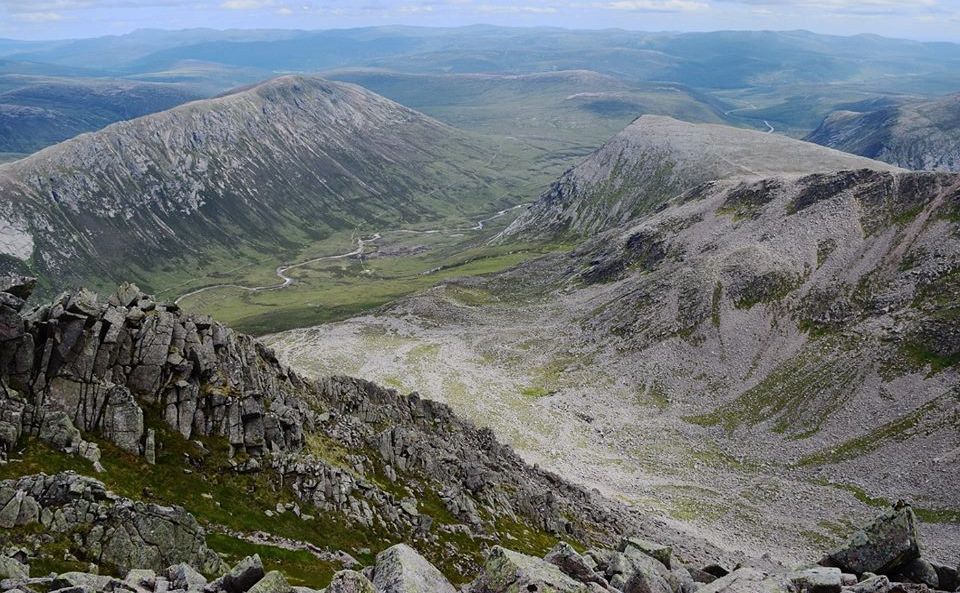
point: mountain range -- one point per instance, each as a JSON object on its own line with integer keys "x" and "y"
{"x": 590, "y": 320}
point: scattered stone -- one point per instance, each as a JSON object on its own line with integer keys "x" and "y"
{"x": 564, "y": 557}
{"x": 183, "y": 576}
{"x": 749, "y": 580}
{"x": 874, "y": 584}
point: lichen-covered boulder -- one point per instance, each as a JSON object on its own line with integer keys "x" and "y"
{"x": 821, "y": 579}
{"x": 10, "y": 568}
{"x": 506, "y": 571}
{"x": 350, "y": 581}
{"x": 272, "y": 582}
{"x": 882, "y": 547}
{"x": 400, "y": 569}
{"x": 564, "y": 557}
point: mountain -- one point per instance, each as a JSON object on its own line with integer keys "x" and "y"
{"x": 920, "y": 135}
{"x": 658, "y": 158}
{"x": 263, "y": 170}
{"x": 209, "y": 453}
{"x": 762, "y": 350}
{"x": 42, "y": 112}
{"x": 180, "y": 410}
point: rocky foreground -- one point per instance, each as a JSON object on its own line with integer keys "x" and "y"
{"x": 128, "y": 382}
{"x": 137, "y": 540}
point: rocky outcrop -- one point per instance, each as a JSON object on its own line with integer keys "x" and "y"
{"x": 112, "y": 530}
{"x": 400, "y": 569}
{"x": 884, "y": 546}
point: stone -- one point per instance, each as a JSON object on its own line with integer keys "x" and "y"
{"x": 400, "y": 569}
{"x": 141, "y": 579}
{"x": 874, "y": 584}
{"x": 19, "y": 286}
{"x": 818, "y": 580}
{"x": 506, "y": 571}
{"x": 654, "y": 550}
{"x": 85, "y": 580}
{"x": 749, "y": 580}
{"x": 272, "y": 582}
{"x": 183, "y": 576}
{"x": 947, "y": 575}
{"x": 568, "y": 560}
{"x": 882, "y": 547}
{"x": 349, "y": 581}
{"x": 150, "y": 447}
{"x": 919, "y": 571}
{"x": 243, "y": 575}
{"x": 10, "y": 568}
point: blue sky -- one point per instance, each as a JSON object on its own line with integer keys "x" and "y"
{"x": 915, "y": 19}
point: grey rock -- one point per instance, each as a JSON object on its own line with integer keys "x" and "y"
{"x": 883, "y": 546}
{"x": 874, "y": 584}
{"x": 349, "y": 581}
{"x": 919, "y": 571}
{"x": 400, "y": 569}
{"x": 947, "y": 575}
{"x": 19, "y": 286}
{"x": 243, "y": 575}
{"x": 183, "y": 576}
{"x": 506, "y": 571}
{"x": 654, "y": 550}
{"x": 11, "y": 568}
{"x": 568, "y": 560}
{"x": 818, "y": 580}
{"x": 272, "y": 582}
{"x": 749, "y": 580}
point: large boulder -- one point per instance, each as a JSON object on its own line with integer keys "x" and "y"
{"x": 506, "y": 571}
{"x": 882, "y": 547}
{"x": 400, "y": 569}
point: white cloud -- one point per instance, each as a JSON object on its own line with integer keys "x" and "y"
{"x": 38, "y": 17}
{"x": 246, "y": 4}
{"x": 656, "y": 5}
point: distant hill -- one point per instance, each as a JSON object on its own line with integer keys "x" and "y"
{"x": 921, "y": 135}
{"x": 266, "y": 169}
{"x": 41, "y": 111}
{"x": 658, "y": 158}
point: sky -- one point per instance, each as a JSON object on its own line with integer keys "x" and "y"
{"x": 927, "y": 20}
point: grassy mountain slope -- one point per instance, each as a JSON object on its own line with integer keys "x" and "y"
{"x": 262, "y": 171}
{"x": 921, "y": 135}
{"x": 657, "y": 158}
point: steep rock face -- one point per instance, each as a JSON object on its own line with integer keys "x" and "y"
{"x": 275, "y": 164}
{"x": 657, "y": 158}
{"x": 920, "y": 135}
